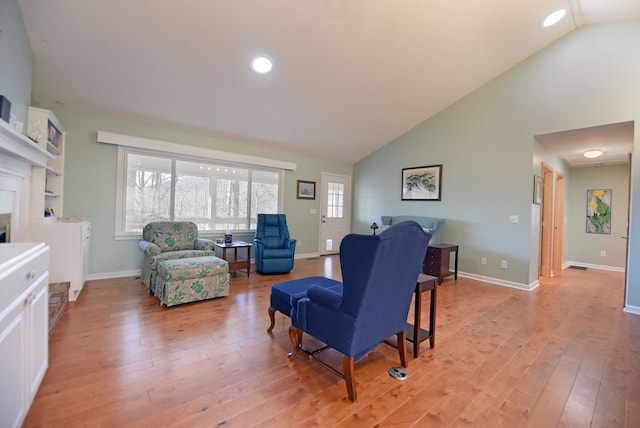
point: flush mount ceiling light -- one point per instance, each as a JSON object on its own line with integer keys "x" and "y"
{"x": 591, "y": 154}
{"x": 261, "y": 64}
{"x": 554, "y": 18}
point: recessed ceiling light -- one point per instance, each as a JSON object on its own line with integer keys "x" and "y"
{"x": 261, "y": 64}
{"x": 554, "y": 18}
{"x": 591, "y": 154}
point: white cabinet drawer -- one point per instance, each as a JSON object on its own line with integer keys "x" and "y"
{"x": 19, "y": 275}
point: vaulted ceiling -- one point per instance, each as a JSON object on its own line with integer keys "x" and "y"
{"x": 349, "y": 75}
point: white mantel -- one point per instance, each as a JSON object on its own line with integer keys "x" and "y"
{"x": 18, "y": 155}
{"x": 19, "y": 146}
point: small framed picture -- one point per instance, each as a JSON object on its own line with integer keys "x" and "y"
{"x": 537, "y": 189}
{"x": 306, "y": 189}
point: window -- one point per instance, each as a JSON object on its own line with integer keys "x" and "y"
{"x": 217, "y": 196}
{"x": 335, "y": 200}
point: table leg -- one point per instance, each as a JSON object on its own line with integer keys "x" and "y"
{"x": 248, "y": 260}
{"x": 432, "y": 318}
{"x": 455, "y": 265}
{"x": 417, "y": 333}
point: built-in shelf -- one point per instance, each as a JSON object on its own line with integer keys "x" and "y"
{"x": 53, "y": 172}
{"x": 47, "y": 188}
{"x": 51, "y": 148}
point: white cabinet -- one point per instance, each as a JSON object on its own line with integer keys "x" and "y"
{"x": 47, "y": 183}
{"x": 70, "y": 242}
{"x": 24, "y": 347}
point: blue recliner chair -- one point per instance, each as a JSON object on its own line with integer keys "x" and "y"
{"x": 274, "y": 248}
{"x": 379, "y": 274}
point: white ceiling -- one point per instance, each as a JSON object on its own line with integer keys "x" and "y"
{"x": 349, "y": 75}
{"x": 615, "y": 140}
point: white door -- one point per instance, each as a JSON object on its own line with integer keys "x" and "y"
{"x": 336, "y": 209}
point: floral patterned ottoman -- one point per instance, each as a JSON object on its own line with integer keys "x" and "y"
{"x": 192, "y": 279}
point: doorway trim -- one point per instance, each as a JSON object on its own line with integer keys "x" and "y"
{"x": 336, "y": 231}
{"x": 558, "y": 222}
{"x": 546, "y": 222}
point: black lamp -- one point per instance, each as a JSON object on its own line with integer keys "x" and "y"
{"x": 374, "y": 226}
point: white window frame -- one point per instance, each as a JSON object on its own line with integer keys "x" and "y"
{"x": 128, "y": 144}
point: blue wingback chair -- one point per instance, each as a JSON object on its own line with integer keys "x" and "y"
{"x": 274, "y": 248}
{"x": 379, "y": 274}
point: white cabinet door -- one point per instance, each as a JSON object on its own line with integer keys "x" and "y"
{"x": 13, "y": 405}
{"x": 37, "y": 309}
{"x": 86, "y": 250}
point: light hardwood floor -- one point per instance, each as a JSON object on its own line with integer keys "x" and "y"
{"x": 562, "y": 355}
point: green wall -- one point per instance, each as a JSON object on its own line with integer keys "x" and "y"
{"x": 482, "y": 183}
{"x": 90, "y": 183}
{"x": 16, "y": 59}
{"x": 585, "y": 247}
{"x": 486, "y": 143}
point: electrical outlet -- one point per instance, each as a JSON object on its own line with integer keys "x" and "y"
{"x": 483, "y": 261}
{"x": 299, "y": 244}
{"x": 603, "y": 253}
{"x": 504, "y": 264}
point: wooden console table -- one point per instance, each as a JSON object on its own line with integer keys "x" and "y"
{"x": 436, "y": 261}
{"x": 236, "y": 263}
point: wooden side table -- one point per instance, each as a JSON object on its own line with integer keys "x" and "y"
{"x": 436, "y": 261}
{"x": 236, "y": 263}
{"x": 415, "y": 334}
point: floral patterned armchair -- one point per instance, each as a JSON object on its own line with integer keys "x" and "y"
{"x": 165, "y": 240}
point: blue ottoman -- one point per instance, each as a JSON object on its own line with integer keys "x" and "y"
{"x": 286, "y": 294}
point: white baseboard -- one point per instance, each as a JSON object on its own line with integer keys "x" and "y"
{"x": 110, "y": 275}
{"x": 307, "y": 255}
{"x": 632, "y": 309}
{"x": 500, "y": 282}
{"x": 136, "y": 272}
{"x": 490, "y": 280}
{"x": 593, "y": 266}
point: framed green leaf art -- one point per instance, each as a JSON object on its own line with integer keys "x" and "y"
{"x": 599, "y": 211}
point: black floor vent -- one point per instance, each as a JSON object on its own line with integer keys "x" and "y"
{"x": 578, "y": 267}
